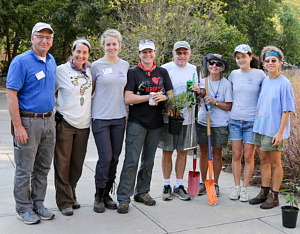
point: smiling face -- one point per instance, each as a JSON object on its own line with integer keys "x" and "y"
{"x": 243, "y": 61}
{"x": 214, "y": 69}
{"x": 181, "y": 56}
{"x": 272, "y": 64}
{"x": 147, "y": 57}
{"x": 80, "y": 54}
{"x": 111, "y": 46}
{"x": 42, "y": 42}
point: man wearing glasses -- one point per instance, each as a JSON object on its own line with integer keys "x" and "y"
{"x": 30, "y": 96}
{"x": 180, "y": 71}
{"x": 147, "y": 88}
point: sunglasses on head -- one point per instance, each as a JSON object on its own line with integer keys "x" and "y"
{"x": 180, "y": 53}
{"x": 218, "y": 64}
{"x": 146, "y": 41}
{"x": 273, "y": 60}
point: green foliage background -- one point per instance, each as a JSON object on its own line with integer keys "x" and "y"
{"x": 209, "y": 26}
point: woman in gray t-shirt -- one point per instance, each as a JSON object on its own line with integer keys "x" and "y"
{"x": 108, "y": 116}
{"x": 246, "y": 83}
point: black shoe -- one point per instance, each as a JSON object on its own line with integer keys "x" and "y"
{"x": 76, "y": 205}
{"x": 108, "y": 201}
{"x": 99, "y": 206}
{"x": 67, "y": 211}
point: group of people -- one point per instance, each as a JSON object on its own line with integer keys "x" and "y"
{"x": 250, "y": 108}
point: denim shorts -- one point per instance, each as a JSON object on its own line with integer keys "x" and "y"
{"x": 240, "y": 130}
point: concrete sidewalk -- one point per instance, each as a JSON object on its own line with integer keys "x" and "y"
{"x": 176, "y": 216}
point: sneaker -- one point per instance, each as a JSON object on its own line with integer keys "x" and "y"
{"x": 44, "y": 213}
{"x": 76, "y": 205}
{"x": 123, "y": 208}
{"x": 202, "y": 189}
{"x": 217, "y": 187}
{"x": 28, "y": 217}
{"x": 244, "y": 197}
{"x": 145, "y": 198}
{"x": 181, "y": 193}
{"x": 235, "y": 193}
{"x": 167, "y": 193}
{"x": 67, "y": 211}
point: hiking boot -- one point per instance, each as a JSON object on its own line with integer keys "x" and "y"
{"x": 123, "y": 208}
{"x": 217, "y": 188}
{"x": 67, "y": 211}
{"x": 76, "y": 205}
{"x": 271, "y": 201}
{"x": 244, "y": 197}
{"x": 108, "y": 201}
{"x": 44, "y": 213}
{"x": 181, "y": 193}
{"x": 145, "y": 198}
{"x": 167, "y": 193}
{"x": 28, "y": 217}
{"x": 202, "y": 189}
{"x": 235, "y": 193}
{"x": 99, "y": 206}
{"x": 261, "y": 197}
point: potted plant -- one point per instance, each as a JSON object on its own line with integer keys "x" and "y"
{"x": 290, "y": 212}
{"x": 175, "y": 108}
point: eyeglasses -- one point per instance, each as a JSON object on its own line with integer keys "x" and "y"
{"x": 146, "y": 41}
{"x": 180, "y": 53}
{"x": 273, "y": 60}
{"x": 41, "y": 37}
{"x": 218, "y": 64}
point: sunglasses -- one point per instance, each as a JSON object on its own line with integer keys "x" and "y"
{"x": 273, "y": 60}
{"x": 218, "y": 64}
{"x": 180, "y": 53}
{"x": 146, "y": 41}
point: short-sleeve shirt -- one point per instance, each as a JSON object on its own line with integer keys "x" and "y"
{"x": 111, "y": 78}
{"x": 34, "y": 80}
{"x": 221, "y": 91}
{"x": 179, "y": 76}
{"x": 142, "y": 113}
{"x": 276, "y": 97}
{"x": 246, "y": 88}
{"x": 74, "y": 95}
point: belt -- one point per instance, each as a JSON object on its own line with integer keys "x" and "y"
{"x": 36, "y": 115}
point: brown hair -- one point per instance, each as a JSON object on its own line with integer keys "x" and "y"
{"x": 267, "y": 49}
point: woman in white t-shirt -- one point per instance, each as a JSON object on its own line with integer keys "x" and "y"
{"x": 108, "y": 116}
{"x": 73, "y": 114}
{"x": 246, "y": 83}
{"x": 220, "y": 97}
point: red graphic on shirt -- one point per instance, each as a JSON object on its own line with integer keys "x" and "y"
{"x": 153, "y": 89}
{"x": 155, "y": 80}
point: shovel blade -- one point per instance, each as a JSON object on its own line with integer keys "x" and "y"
{"x": 211, "y": 192}
{"x": 194, "y": 182}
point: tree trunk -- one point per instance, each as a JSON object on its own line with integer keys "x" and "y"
{"x": 65, "y": 54}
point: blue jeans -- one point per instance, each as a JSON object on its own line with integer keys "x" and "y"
{"x": 33, "y": 161}
{"x": 108, "y": 135}
{"x": 137, "y": 137}
{"x": 241, "y": 130}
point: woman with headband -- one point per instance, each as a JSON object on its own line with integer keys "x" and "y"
{"x": 108, "y": 116}
{"x": 272, "y": 126}
{"x": 246, "y": 83}
{"x": 73, "y": 108}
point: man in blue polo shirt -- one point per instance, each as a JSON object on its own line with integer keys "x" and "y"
{"x": 30, "y": 96}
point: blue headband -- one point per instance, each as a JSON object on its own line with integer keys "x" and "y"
{"x": 272, "y": 53}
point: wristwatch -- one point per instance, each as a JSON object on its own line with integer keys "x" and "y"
{"x": 217, "y": 103}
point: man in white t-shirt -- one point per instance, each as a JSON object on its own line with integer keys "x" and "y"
{"x": 180, "y": 72}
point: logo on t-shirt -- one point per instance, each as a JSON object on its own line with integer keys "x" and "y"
{"x": 155, "y": 80}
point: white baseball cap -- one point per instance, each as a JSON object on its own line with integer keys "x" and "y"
{"x": 146, "y": 44}
{"x": 40, "y": 26}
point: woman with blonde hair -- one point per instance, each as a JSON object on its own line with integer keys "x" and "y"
{"x": 108, "y": 116}
{"x": 272, "y": 126}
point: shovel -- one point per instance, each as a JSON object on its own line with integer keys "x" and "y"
{"x": 194, "y": 177}
{"x": 209, "y": 184}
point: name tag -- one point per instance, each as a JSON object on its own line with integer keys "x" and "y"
{"x": 40, "y": 75}
{"x": 107, "y": 71}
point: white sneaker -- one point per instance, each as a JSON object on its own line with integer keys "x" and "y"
{"x": 235, "y": 193}
{"x": 244, "y": 197}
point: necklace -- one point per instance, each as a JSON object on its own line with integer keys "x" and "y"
{"x": 216, "y": 94}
